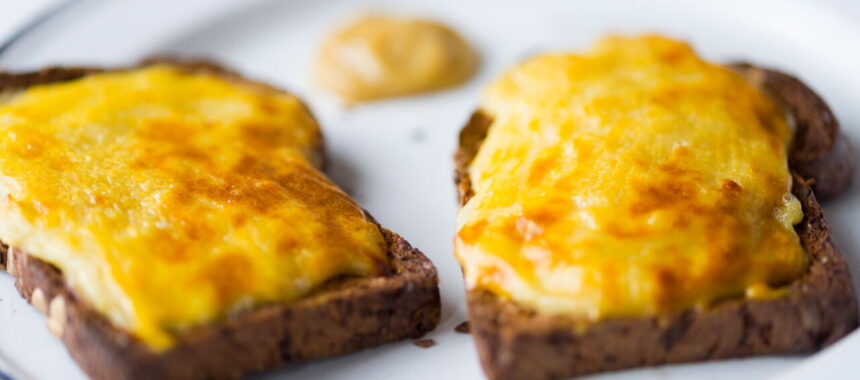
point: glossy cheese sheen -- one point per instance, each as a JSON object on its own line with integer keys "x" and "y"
{"x": 632, "y": 180}
{"x": 171, "y": 199}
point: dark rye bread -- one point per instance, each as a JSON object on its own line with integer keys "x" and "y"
{"x": 515, "y": 342}
{"x": 347, "y": 314}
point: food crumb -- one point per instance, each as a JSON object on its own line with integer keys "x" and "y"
{"x": 463, "y": 328}
{"x": 424, "y": 343}
{"x": 418, "y": 135}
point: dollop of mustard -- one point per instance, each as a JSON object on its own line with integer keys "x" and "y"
{"x": 379, "y": 56}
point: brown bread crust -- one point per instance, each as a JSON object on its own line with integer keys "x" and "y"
{"x": 514, "y": 342}
{"x": 820, "y": 153}
{"x": 343, "y": 316}
{"x": 346, "y": 315}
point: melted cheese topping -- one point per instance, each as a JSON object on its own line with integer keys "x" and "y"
{"x": 171, "y": 199}
{"x": 632, "y": 180}
{"x": 378, "y": 57}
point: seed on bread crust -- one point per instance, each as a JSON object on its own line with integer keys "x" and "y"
{"x": 37, "y": 299}
{"x": 57, "y": 316}
{"x": 10, "y": 262}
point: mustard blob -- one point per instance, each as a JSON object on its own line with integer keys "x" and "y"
{"x": 378, "y": 57}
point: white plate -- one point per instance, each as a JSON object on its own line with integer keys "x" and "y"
{"x": 394, "y": 156}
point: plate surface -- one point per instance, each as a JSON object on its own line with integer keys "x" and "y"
{"x": 394, "y": 157}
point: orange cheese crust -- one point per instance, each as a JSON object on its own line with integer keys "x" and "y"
{"x": 632, "y": 180}
{"x": 171, "y": 199}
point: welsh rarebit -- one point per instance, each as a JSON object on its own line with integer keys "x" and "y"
{"x": 173, "y": 222}
{"x": 637, "y": 205}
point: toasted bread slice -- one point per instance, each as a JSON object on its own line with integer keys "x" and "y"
{"x": 515, "y": 342}
{"x": 346, "y": 314}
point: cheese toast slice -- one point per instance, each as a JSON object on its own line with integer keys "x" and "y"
{"x": 534, "y": 338}
{"x": 306, "y": 273}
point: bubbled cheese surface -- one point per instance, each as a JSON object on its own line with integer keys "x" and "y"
{"x": 170, "y": 199}
{"x": 633, "y": 179}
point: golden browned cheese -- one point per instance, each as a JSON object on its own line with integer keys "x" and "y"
{"x": 379, "y": 56}
{"x": 170, "y": 199}
{"x": 631, "y": 180}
